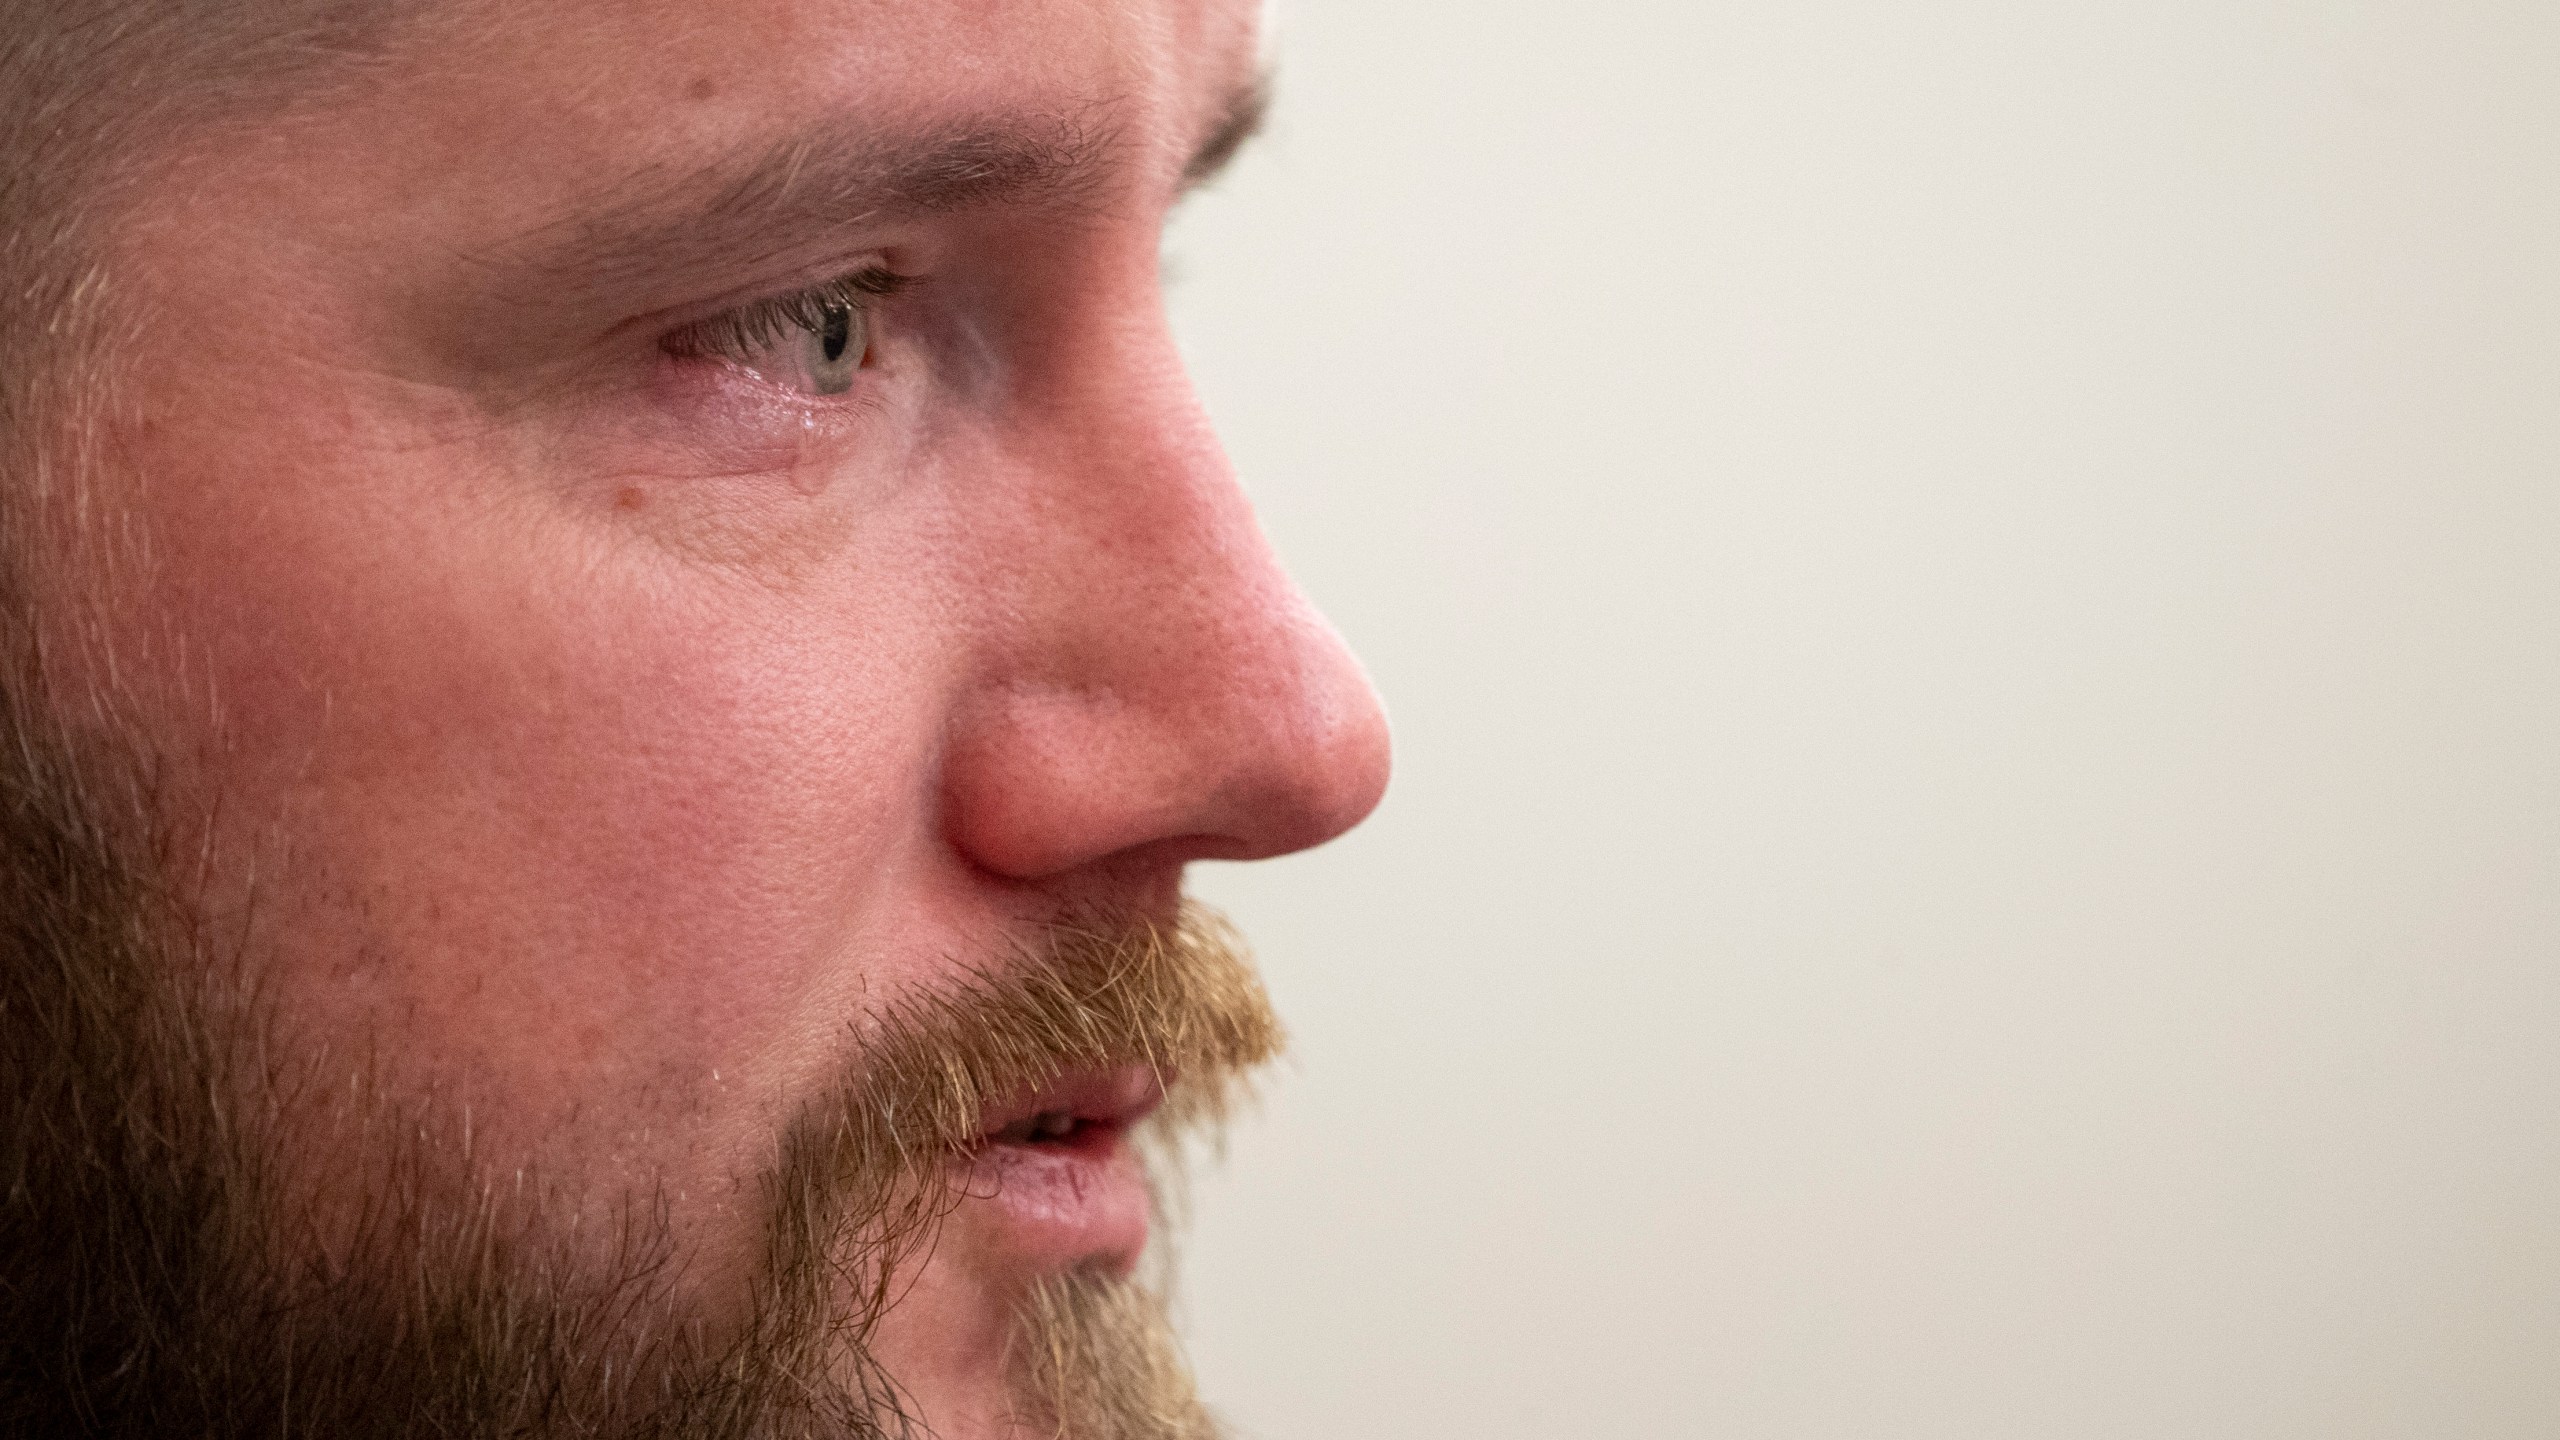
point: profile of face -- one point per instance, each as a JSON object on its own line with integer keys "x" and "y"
{"x": 609, "y": 731}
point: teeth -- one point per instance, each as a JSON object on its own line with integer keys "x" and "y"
{"x": 1047, "y": 1125}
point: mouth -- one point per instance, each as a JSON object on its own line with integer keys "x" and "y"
{"x": 1055, "y": 1174}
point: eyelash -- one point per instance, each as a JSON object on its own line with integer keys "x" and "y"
{"x": 746, "y": 331}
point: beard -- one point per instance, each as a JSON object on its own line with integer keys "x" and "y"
{"x": 157, "y": 1278}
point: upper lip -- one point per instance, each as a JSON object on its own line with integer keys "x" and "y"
{"x": 1117, "y": 1098}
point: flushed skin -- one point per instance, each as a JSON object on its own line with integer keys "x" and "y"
{"x": 590, "y": 730}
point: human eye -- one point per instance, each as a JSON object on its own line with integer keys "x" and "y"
{"x": 814, "y": 342}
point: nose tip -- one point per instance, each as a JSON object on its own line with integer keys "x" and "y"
{"x": 1242, "y": 748}
{"x": 1333, "y": 765}
{"x": 1311, "y": 755}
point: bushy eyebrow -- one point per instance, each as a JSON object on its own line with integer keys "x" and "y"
{"x": 740, "y": 209}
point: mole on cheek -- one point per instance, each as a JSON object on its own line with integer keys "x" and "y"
{"x": 702, "y": 89}
{"x": 629, "y": 498}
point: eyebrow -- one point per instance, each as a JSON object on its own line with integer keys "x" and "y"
{"x": 1238, "y": 123}
{"x": 735, "y": 211}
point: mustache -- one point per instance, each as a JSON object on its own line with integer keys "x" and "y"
{"x": 863, "y": 1176}
{"x": 1182, "y": 1000}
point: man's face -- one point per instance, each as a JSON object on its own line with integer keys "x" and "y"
{"x": 651, "y": 534}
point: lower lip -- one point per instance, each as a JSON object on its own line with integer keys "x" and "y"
{"x": 1078, "y": 1201}
{"x": 1074, "y": 1202}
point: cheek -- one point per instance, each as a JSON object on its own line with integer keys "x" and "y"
{"x": 559, "y": 824}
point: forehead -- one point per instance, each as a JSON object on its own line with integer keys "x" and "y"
{"x": 596, "y": 88}
{"x": 925, "y": 50}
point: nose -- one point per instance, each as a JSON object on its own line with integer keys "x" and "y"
{"x": 1149, "y": 684}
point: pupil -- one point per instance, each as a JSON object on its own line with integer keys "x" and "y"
{"x": 838, "y": 332}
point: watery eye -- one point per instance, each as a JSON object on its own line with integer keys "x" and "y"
{"x": 815, "y": 343}
{"x": 820, "y": 359}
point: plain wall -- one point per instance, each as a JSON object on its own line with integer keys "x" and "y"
{"x": 1971, "y": 599}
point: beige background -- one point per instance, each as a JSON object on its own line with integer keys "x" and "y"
{"x": 1971, "y": 597}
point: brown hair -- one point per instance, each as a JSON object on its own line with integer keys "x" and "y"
{"x": 92, "y": 94}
